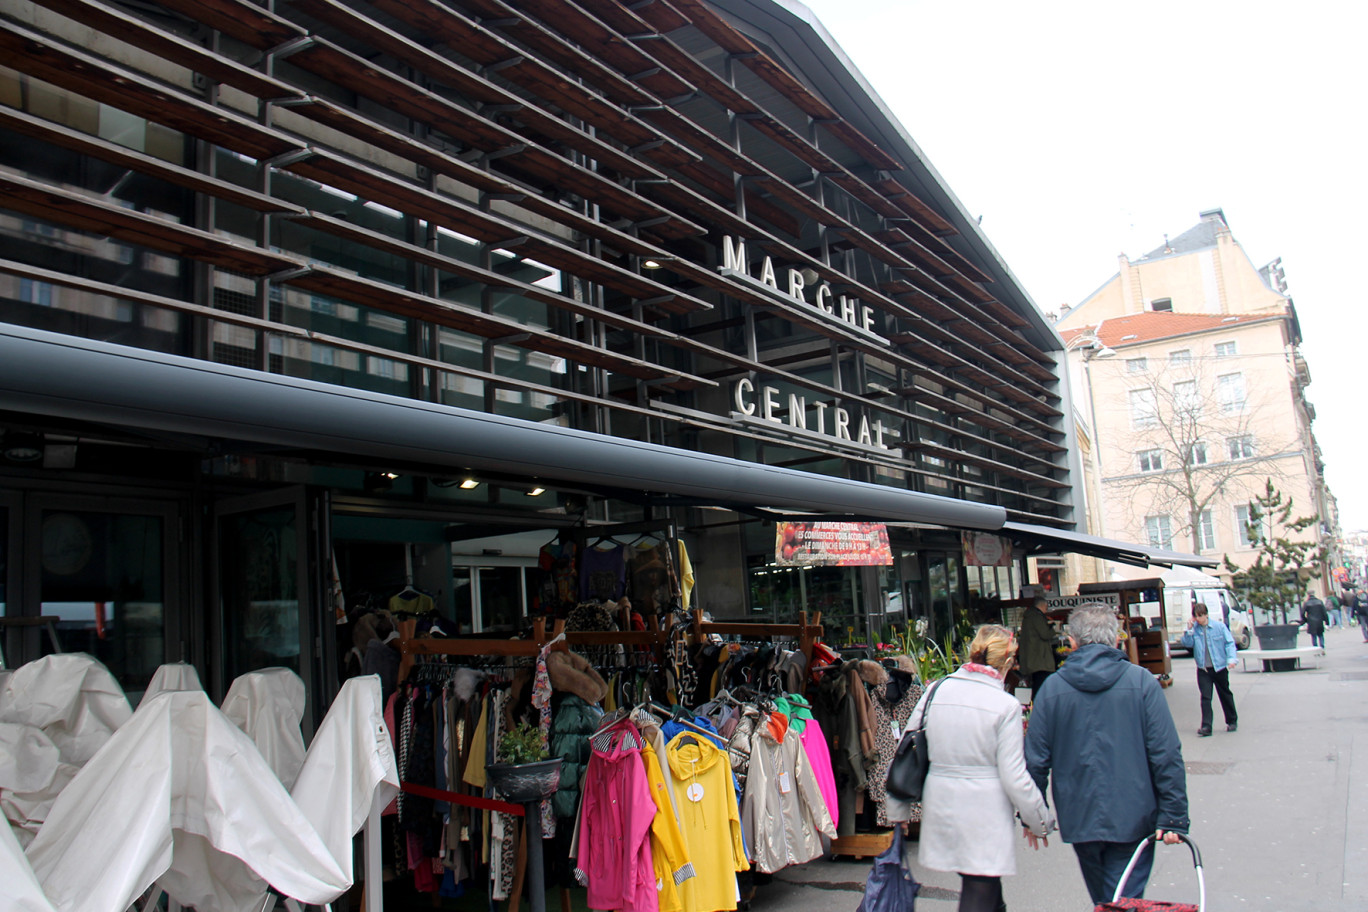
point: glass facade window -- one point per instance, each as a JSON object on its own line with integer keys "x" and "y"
{"x": 102, "y": 577}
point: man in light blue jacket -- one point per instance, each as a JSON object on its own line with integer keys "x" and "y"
{"x": 1213, "y": 651}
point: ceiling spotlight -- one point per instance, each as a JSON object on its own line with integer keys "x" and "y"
{"x": 21, "y": 446}
{"x": 650, "y": 264}
{"x": 469, "y": 484}
{"x": 391, "y": 475}
{"x": 536, "y": 492}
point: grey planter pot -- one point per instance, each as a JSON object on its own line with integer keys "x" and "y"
{"x": 522, "y": 782}
{"x": 1277, "y": 636}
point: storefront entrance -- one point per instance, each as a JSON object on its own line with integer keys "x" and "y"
{"x": 107, "y": 568}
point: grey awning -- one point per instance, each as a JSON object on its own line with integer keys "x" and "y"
{"x": 44, "y": 373}
{"x": 1047, "y": 540}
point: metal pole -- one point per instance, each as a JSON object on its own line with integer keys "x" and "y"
{"x": 536, "y": 874}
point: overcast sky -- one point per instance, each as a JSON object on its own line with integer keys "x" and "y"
{"x": 1082, "y": 130}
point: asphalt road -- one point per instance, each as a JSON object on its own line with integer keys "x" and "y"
{"x": 1279, "y": 808}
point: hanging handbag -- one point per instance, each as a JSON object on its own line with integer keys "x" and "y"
{"x": 907, "y": 771}
{"x": 890, "y": 886}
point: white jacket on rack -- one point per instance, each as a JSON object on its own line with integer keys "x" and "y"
{"x": 976, "y": 781}
{"x": 783, "y": 810}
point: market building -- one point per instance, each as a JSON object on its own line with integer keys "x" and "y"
{"x": 311, "y": 305}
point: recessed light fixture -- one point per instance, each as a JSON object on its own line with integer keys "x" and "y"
{"x": 469, "y": 484}
{"x": 536, "y": 492}
{"x": 650, "y": 264}
{"x": 391, "y": 475}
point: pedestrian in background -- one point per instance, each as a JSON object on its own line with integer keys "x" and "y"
{"x": 1361, "y": 613}
{"x": 1036, "y": 656}
{"x": 977, "y": 780}
{"x": 1332, "y": 604}
{"x": 1213, "y": 652}
{"x": 1102, "y": 730}
{"x": 1314, "y": 616}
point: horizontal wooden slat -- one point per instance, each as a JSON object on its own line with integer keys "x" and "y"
{"x": 169, "y": 46}
{"x": 649, "y": 82}
{"x": 249, "y": 23}
{"x": 386, "y": 244}
{"x": 85, "y": 144}
{"x": 97, "y": 215}
{"x": 370, "y": 293}
{"x": 983, "y": 462}
{"x": 119, "y": 87}
{"x": 90, "y": 286}
{"x": 440, "y": 23}
{"x": 284, "y": 329}
{"x": 609, "y": 121}
{"x": 665, "y": 223}
{"x": 373, "y": 184}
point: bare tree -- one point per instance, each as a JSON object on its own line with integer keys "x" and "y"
{"x": 1190, "y": 446}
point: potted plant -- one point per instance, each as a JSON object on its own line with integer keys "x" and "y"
{"x": 523, "y": 772}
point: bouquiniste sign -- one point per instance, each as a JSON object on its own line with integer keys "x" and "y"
{"x": 831, "y": 544}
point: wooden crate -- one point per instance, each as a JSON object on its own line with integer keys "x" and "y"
{"x": 865, "y": 845}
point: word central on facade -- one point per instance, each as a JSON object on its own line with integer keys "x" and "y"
{"x": 769, "y": 407}
{"x": 849, "y": 311}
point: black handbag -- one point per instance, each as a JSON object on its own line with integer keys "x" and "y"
{"x": 907, "y": 772}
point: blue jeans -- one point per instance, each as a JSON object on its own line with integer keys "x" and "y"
{"x": 1103, "y": 863}
{"x": 1336, "y": 619}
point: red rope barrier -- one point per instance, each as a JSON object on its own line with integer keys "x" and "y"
{"x": 487, "y": 804}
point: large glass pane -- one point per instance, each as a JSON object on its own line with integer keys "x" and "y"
{"x": 4, "y": 561}
{"x": 501, "y": 598}
{"x": 258, "y": 560}
{"x": 102, "y": 575}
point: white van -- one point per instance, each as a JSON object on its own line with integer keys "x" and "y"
{"x": 1184, "y": 588}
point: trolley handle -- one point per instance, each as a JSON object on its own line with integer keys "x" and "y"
{"x": 1196, "y": 864}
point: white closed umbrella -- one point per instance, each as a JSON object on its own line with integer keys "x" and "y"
{"x": 72, "y": 697}
{"x": 171, "y": 677}
{"x": 21, "y": 891}
{"x": 179, "y": 796}
{"x": 268, "y": 705}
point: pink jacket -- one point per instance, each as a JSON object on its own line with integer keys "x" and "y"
{"x": 815, "y": 746}
{"x": 615, "y": 847}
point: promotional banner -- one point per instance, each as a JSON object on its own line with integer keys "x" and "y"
{"x": 831, "y": 544}
{"x": 983, "y": 549}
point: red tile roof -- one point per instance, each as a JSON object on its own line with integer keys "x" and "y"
{"x": 1116, "y": 332}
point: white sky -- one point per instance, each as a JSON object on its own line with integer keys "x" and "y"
{"x": 1081, "y": 129}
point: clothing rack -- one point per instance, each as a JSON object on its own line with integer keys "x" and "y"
{"x": 806, "y": 633}
{"x": 656, "y": 636}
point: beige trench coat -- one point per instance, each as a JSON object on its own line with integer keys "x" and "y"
{"x": 783, "y": 825}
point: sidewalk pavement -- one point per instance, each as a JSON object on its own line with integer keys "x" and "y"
{"x": 1279, "y": 808}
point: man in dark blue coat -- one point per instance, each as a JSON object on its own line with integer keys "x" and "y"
{"x": 1101, "y": 726}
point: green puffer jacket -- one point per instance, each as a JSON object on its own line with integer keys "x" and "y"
{"x": 572, "y": 722}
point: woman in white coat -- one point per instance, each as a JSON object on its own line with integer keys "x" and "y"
{"x": 977, "y": 778}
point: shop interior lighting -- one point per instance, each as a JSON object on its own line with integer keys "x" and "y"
{"x": 536, "y": 492}
{"x": 469, "y": 484}
{"x": 23, "y": 447}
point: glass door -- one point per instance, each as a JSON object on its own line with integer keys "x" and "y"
{"x": 9, "y": 539}
{"x": 108, "y": 570}
{"x": 944, "y": 591}
{"x": 264, "y": 568}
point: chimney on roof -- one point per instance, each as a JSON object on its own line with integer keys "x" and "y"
{"x": 1217, "y": 214}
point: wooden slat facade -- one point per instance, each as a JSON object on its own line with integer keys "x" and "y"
{"x": 579, "y": 138}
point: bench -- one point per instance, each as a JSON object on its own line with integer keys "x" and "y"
{"x": 1268, "y": 655}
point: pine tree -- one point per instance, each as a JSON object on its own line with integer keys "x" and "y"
{"x": 1278, "y": 578}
